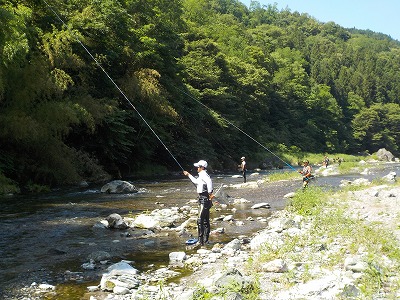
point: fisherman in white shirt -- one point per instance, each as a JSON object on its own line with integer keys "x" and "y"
{"x": 204, "y": 188}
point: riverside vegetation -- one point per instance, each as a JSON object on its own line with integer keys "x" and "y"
{"x": 62, "y": 121}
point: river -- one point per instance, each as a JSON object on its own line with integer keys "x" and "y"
{"x": 47, "y": 238}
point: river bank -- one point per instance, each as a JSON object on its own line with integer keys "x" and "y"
{"x": 282, "y": 261}
{"x": 49, "y": 238}
{"x": 347, "y": 248}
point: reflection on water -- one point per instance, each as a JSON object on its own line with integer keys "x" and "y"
{"x": 43, "y": 238}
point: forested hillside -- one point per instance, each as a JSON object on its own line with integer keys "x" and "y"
{"x": 285, "y": 78}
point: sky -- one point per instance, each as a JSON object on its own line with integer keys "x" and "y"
{"x": 377, "y": 15}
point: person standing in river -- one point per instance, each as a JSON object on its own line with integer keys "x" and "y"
{"x": 306, "y": 172}
{"x": 325, "y": 162}
{"x": 243, "y": 168}
{"x": 204, "y": 188}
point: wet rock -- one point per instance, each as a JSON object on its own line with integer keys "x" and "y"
{"x": 46, "y": 287}
{"x": 120, "y": 275}
{"x": 103, "y": 224}
{"x": 119, "y": 187}
{"x": 228, "y": 218}
{"x": 261, "y": 205}
{"x": 89, "y": 265}
{"x": 116, "y": 221}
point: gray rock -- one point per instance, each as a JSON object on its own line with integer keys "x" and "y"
{"x": 275, "y": 266}
{"x": 229, "y": 278}
{"x": 177, "y": 256}
{"x": 120, "y": 275}
{"x": 116, "y": 221}
{"x": 261, "y": 205}
{"x": 384, "y": 155}
{"x": 120, "y": 290}
{"x": 350, "y": 291}
{"x": 391, "y": 177}
{"x": 119, "y": 187}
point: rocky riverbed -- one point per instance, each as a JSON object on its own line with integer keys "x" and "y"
{"x": 282, "y": 261}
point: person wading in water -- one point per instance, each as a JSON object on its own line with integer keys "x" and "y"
{"x": 306, "y": 173}
{"x": 204, "y": 188}
{"x": 243, "y": 168}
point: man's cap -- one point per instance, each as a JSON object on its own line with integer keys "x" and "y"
{"x": 201, "y": 163}
{"x": 243, "y": 157}
{"x": 305, "y": 161}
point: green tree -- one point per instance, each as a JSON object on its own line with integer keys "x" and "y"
{"x": 325, "y": 117}
{"x": 377, "y": 127}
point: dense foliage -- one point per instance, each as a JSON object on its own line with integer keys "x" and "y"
{"x": 282, "y": 77}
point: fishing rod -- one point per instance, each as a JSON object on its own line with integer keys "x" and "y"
{"x": 246, "y": 134}
{"x": 113, "y": 82}
{"x": 140, "y": 115}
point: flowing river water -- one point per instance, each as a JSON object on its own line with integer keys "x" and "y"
{"x": 47, "y": 238}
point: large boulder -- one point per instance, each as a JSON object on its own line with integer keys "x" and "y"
{"x": 116, "y": 221}
{"x": 384, "y": 155}
{"x": 119, "y": 187}
{"x": 120, "y": 276}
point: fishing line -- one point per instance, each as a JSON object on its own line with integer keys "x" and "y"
{"x": 246, "y": 134}
{"x": 139, "y": 114}
{"x": 113, "y": 82}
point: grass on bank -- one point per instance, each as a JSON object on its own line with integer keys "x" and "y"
{"x": 248, "y": 290}
{"x": 349, "y": 164}
{"x": 295, "y": 158}
{"x": 333, "y": 226}
{"x": 279, "y": 176}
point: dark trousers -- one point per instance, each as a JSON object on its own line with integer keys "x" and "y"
{"x": 203, "y": 224}
{"x": 244, "y": 176}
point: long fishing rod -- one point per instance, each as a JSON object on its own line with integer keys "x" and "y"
{"x": 246, "y": 134}
{"x": 113, "y": 82}
{"x": 140, "y": 115}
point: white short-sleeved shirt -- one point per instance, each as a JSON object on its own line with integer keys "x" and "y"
{"x": 203, "y": 178}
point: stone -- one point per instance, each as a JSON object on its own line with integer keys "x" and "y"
{"x": 118, "y": 187}
{"x": 275, "y": 266}
{"x": 261, "y": 205}
{"x": 116, "y": 221}
{"x": 384, "y": 155}
{"x": 177, "y": 256}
